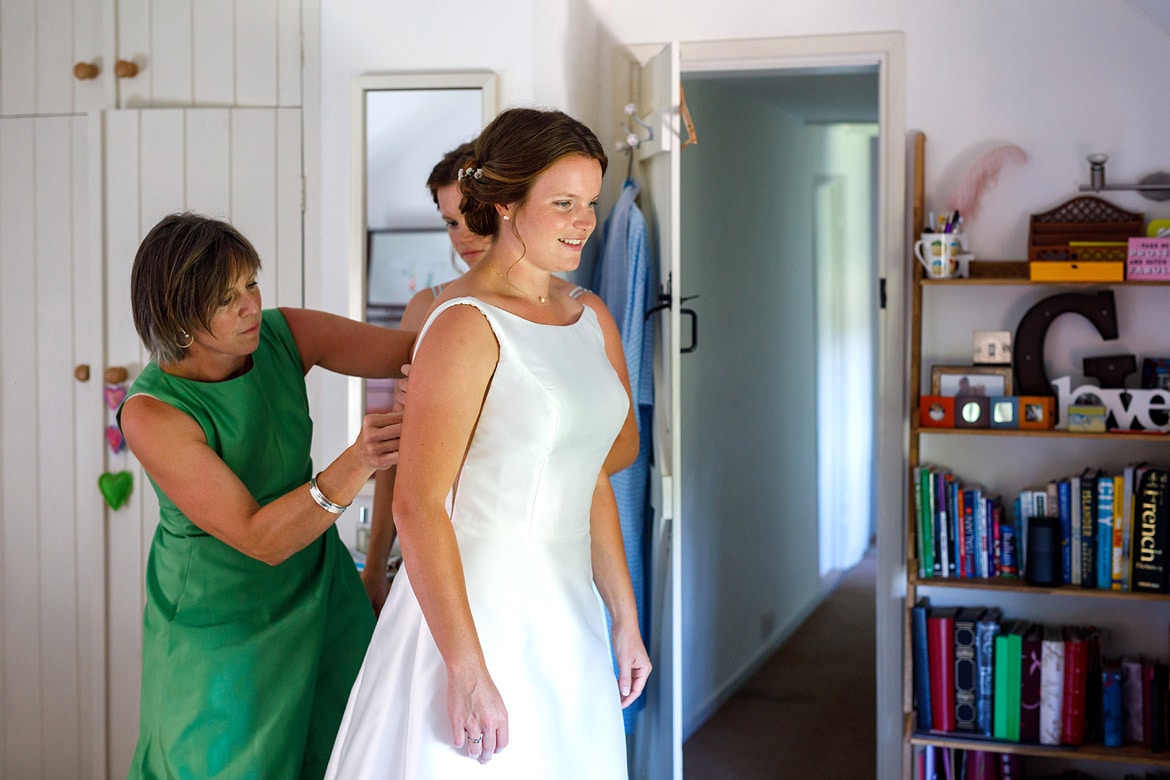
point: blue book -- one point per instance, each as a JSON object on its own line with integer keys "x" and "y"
{"x": 1104, "y": 531}
{"x": 921, "y": 661}
{"x": 1064, "y": 512}
{"x": 1111, "y": 710}
{"x": 986, "y": 630}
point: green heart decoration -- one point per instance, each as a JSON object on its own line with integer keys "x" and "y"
{"x": 116, "y": 487}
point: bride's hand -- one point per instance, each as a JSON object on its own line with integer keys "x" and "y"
{"x": 479, "y": 720}
{"x": 633, "y": 663}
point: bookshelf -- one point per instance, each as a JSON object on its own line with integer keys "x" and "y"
{"x": 943, "y": 314}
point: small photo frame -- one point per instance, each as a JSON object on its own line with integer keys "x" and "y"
{"x": 1156, "y": 374}
{"x": 1037, "y": 412}
{"x": 936, "y": 411}
{"x": 1005, "y": 411}
{"x": 972, "y": 411}
{"x": 956, "y": 381}
{"x": 992, "y": 348}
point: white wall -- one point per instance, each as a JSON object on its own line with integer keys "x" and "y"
{"x": 749, "y": 434}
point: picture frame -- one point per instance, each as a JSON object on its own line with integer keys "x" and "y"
{"x": 1156, "y": 373}
{"x": 955, "y": 381}
{"x": 1037, "y": 412}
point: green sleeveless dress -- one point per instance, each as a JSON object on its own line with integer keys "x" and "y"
{"x": 246, "y": 667}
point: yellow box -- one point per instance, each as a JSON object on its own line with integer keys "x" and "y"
{"x": 1077, "y": 271}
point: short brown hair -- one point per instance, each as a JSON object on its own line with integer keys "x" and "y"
{"x": 511, "y": 152}
{"x": 183, "y": 269}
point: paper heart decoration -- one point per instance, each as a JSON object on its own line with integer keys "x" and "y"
{"x": 115, "y": 394}
{"x": 114, "y": 437}
{"x": 116, "y": 487}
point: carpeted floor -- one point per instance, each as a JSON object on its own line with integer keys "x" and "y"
{"x": 809, "y": 712}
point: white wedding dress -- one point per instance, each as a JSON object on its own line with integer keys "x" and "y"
{"x": 521, "y": 516}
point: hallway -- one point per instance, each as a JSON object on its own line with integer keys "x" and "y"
{"x": 810, "y": 709}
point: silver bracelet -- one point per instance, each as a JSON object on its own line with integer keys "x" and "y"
{"x": 323, "y": 502}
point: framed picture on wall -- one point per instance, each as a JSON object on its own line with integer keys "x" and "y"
{"x": 958, "y": 381}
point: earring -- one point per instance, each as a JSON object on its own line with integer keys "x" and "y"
{"x": 185, "y": 340}
{"x": 505, "y": 217}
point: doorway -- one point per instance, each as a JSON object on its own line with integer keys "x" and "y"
{"x": 779, "y": 244}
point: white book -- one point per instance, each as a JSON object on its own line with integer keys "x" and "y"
{"x": 1051, "y": 684}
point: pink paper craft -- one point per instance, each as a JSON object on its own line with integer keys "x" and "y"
{"x": 115, "y": 395}
{"x": 115, "y": 438}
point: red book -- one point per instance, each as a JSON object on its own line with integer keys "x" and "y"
{"x": 1076, "y": 675}
{"x": 981, "y": 765}
{"x": 940, "y": 643}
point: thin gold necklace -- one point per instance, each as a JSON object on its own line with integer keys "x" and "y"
{"x": 538, "y": 298}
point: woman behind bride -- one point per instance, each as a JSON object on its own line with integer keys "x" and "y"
{"x": 494, "y": 635}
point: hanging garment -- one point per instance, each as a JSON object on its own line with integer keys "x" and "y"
{"x": 624, "y": 280}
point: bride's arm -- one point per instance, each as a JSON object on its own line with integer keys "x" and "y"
{"x": 448, "y": 381}
{"x": 611, "y": 574}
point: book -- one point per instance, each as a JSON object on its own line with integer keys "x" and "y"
{"x": 1011, "y": 766}
{"x": 1131, "y": 700}
{"x": 1147, "y": 702}
{"x": 1009, "y": 545}
{"x": 1030, "y": 665}
{"x": 942, "y": 526}
{"x": 1064, "y": 512}
{"x": 1093, "y": 686}
{"x": 924, "y": 523}
{"x": 1051, "y": 684}
{"x": 1119, "y": 509}
{"x": 921, "y": 661}
{"x": 1088, "y": 530}
{"x": 1111, "y": 712}
{"x": 966, "y": 511}
{"x": 1148, "y": 556}
{"x": 966, "y": 669}
{"x": 1074, "y": 541}
{"x": 1076, "y": 667}
{"x": 1129, "y": 479}
{"x": 1006, "y": 700}
{"x": 1158, "y": 694}
{"x": 940, "y": 637}
{"x": 1104, "y": 531}
{"x": 986, "y": 630}
{"x": 980, "y": 765}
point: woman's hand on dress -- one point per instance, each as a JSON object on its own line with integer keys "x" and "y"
{"x": 377, "y": 443}
{"x": 400, "y": 386}
{"x": 479, "y": 720}
{"x": 633, "y": 663}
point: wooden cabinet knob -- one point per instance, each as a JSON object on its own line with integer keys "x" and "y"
{"x": 125, "y": 69}
{"x": 81, "y": 373}
{"x": 83, "y": 71}
{"x": 115, "y": 375}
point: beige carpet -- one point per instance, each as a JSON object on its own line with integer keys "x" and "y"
{"x": 809, "y": 712}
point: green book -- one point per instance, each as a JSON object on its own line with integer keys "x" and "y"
{"x": 1006, "y": 700}
{"x": 925, "y": 523}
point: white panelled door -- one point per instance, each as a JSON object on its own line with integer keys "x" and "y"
{"x": 657, "y": 747}
{"x": 242, "y": 165}
{"x": 52, "y": 663}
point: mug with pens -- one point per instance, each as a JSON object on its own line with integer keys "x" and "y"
{"x": 942, "y": 247}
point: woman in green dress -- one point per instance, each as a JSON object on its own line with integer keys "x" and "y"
{"x": 256, "y": 620}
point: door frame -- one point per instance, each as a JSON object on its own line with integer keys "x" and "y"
{"x": 887, "y": 52}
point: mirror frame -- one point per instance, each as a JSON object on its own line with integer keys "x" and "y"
{"x": 484, "y": 80}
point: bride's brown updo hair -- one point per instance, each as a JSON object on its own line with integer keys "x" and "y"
{"x": 509, "y": 155}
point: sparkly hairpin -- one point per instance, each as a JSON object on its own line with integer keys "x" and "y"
{"x": 476, "y": 173}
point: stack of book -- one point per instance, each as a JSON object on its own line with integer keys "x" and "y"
{"x": 1114, "y": 528}
{"x": 977, "y": 674}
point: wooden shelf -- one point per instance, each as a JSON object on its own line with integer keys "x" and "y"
{"x": 1126, "y": 754}
{"x": 1020, "y": 586}
{"x": 917, "y": 430}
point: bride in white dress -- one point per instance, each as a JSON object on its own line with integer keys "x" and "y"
{"x": 491, "y": 657}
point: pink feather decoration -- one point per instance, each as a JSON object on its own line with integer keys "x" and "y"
{"x": 981, "y": 176}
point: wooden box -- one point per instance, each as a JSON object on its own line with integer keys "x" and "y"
{"x": 1077, "y": 271}
{"x": 1086, "y": 229}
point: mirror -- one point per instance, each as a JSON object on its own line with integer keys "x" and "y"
{"x": 403, "y": 124}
